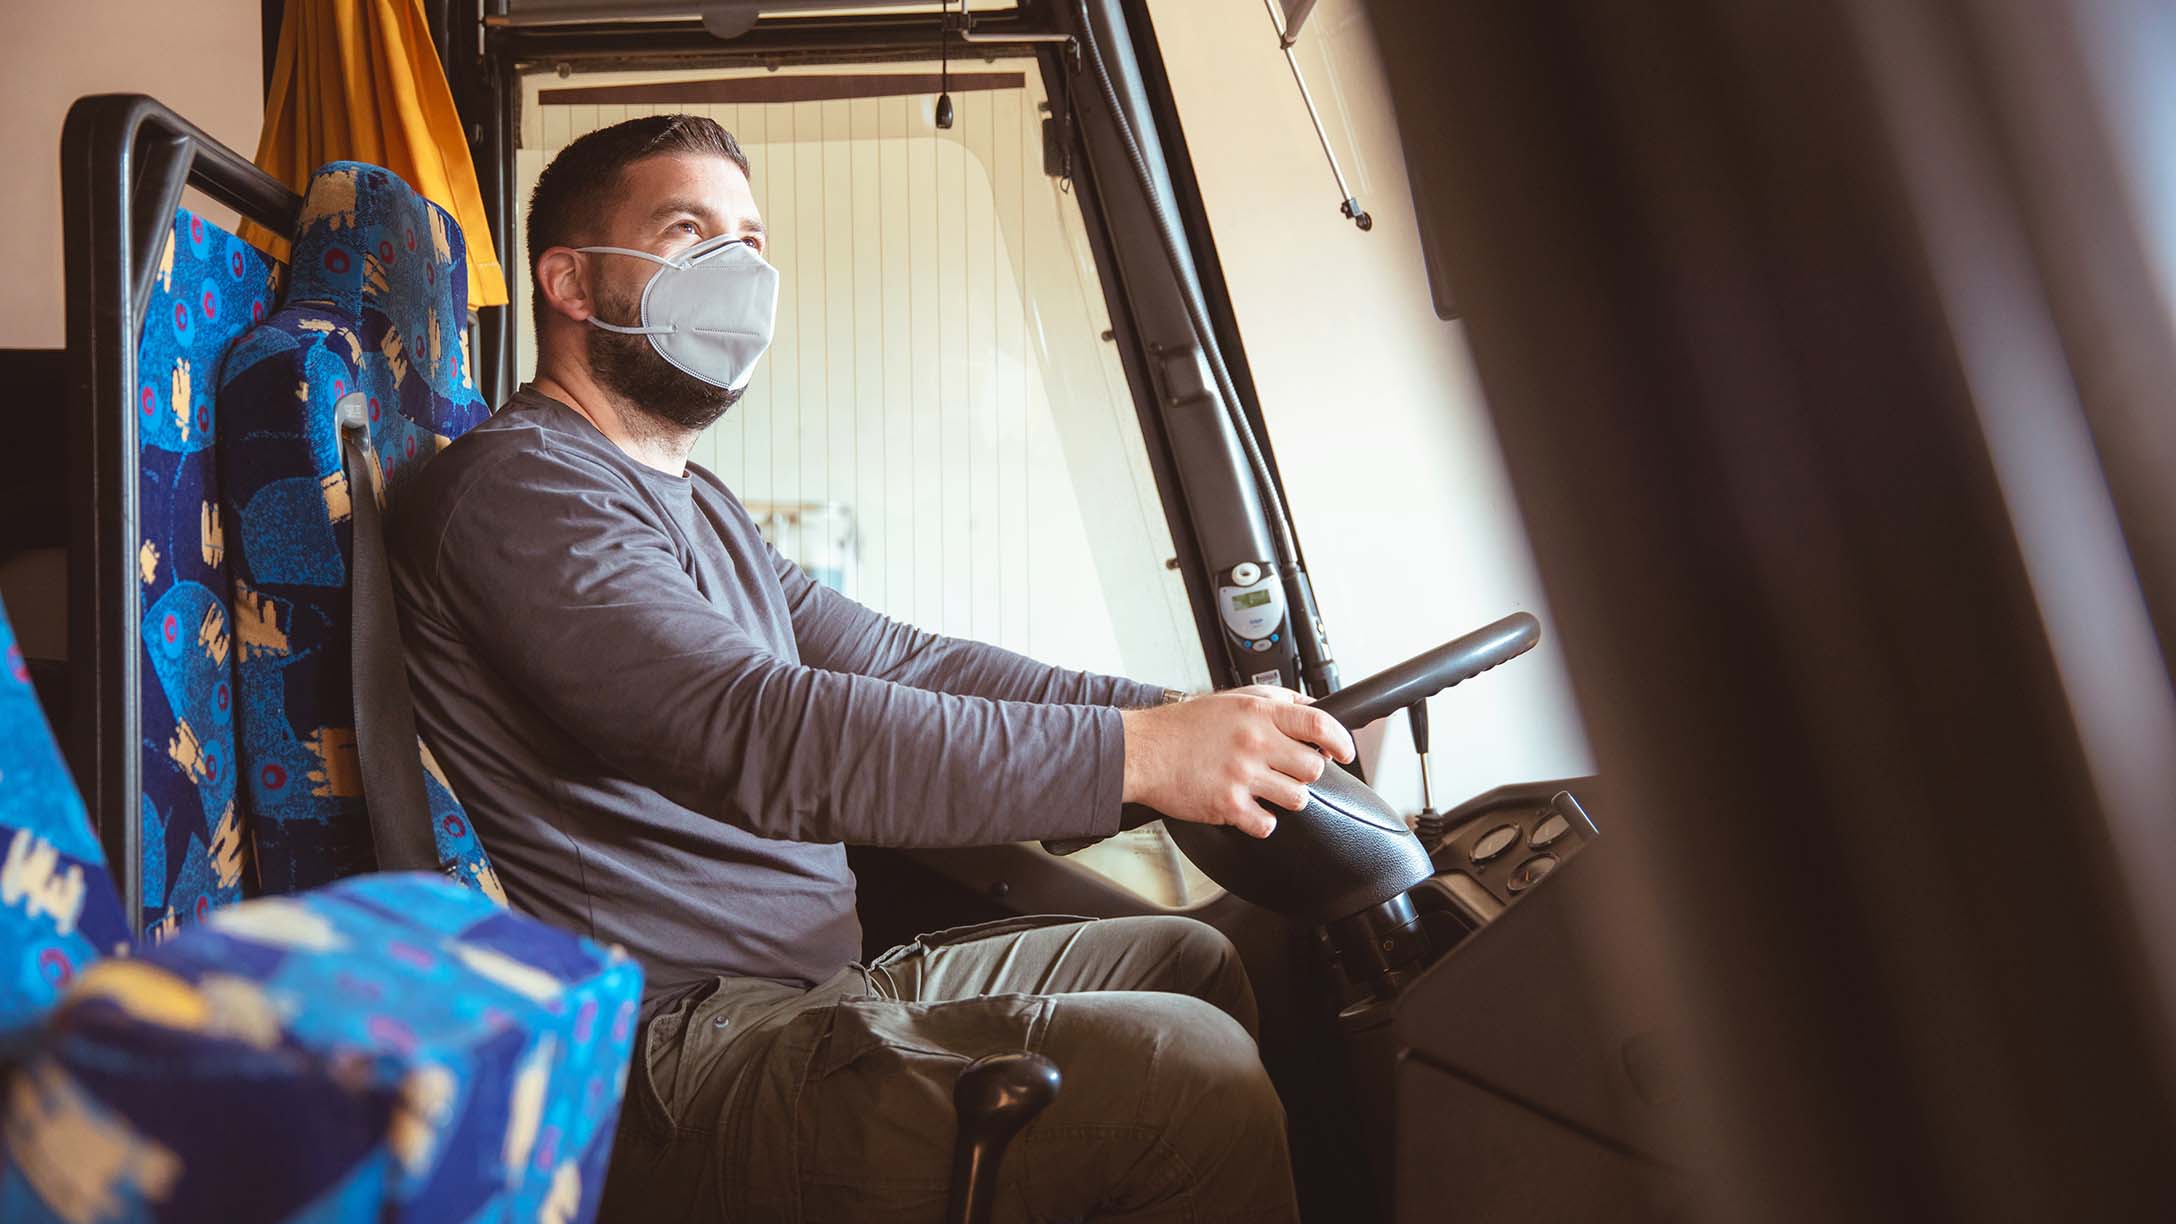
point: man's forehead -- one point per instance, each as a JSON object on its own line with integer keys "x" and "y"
{"x": 711, "y": 187}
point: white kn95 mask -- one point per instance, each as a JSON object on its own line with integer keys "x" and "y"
{"x": 708, "y": 311}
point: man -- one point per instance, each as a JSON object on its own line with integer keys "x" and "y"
{"x": 665, "y": 732}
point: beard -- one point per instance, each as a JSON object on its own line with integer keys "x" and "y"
{"x": 631, "y": 368}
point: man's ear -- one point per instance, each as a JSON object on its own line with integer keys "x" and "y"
{"x": 562, "y": 279}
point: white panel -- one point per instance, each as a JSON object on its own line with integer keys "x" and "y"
{"x": 980, "y": 359}
{"x": 804, "y": 296}
{"x": 551, "y": 123}
{"x": 528, "y": 164}
{"x": 955, "y": 444}
{"x": 781, "y": 440}
{"x": 865, "y": 225}
{"x": 1009, "y": 491}
{"x": 925, "y": 316}
{"x": 200, "y": 58}
{"x": 841, "y": 351}
{"x": 746, "y": 430}
{"x": 901, "y": 390}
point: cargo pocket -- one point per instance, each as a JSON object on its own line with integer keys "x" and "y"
{"x": 875, "y": 1120}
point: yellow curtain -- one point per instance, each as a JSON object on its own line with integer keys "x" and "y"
{"x": 359, "y": 80}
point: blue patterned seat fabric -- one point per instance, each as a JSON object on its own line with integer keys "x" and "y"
{"x": 375, "y": 312}
{"x": 210, "y": 287}
{"x": 58, "y": 908}
{"x": 389, "y": 1048}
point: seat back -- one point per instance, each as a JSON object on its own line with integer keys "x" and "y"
{"x": 58, "y": 907}
{"x": 391, "y": 1049}
{"x": 210, "y": 287}
{"x": 375, "y": 314}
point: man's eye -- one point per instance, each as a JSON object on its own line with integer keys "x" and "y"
{"x": 690, "y": 227}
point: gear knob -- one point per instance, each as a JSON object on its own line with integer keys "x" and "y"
{"x": 994, "y": 1099}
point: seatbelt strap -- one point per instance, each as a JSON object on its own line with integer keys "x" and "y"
{"x": 385, "y": 715}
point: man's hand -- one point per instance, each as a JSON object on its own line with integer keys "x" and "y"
{"x": 1208, "y": 759}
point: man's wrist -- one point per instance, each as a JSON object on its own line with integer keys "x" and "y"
{"x": 1151, "y": 697}
{"x": 1141, "y": 756}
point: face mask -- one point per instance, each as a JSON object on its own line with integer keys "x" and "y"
{"x": 708, "y": 311}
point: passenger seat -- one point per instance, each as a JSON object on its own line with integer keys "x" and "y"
{"x": 374, "y": 319}
{"x": 385, "y": 1046}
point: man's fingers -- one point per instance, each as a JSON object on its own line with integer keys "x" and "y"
{"x": 1297, "y": 761}
{"x": 1285, "y": 792}
{"x": 1255, "y": 821}
{"x": 1312, "y": 726}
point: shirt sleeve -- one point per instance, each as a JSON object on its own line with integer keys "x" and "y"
{"x": 568, "y": 584}
{"x": 836, "y": 633}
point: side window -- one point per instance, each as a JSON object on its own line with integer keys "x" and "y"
{"x": 939, "y": 430}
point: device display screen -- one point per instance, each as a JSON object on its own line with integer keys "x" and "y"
{"x": 1251, "y": 599}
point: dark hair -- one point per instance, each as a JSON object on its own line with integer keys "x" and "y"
{"x": 573, "y": 192}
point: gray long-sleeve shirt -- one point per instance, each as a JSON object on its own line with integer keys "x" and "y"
{"x": 663, "y": 731}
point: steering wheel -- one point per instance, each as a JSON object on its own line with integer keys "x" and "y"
{"x": 1424, "y": 675}
{"x": 1348, "y": 849}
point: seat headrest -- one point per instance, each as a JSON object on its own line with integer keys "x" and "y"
{"x": 365, "y": 236}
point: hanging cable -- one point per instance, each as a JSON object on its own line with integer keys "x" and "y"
{"x": 944, "y": 66}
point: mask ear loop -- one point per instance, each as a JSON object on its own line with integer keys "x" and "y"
{"x": 613, "y": 250}
{"x": 638, "y": 330}
{"x": 632, "y": 331}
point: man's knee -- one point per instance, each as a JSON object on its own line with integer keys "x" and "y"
{"x": 1173, "y": 1105}
{"x": 1189, "y": 1062}
{"x": 1209, "y": 1068}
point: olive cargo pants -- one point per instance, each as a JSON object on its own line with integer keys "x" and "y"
{"x": 759, "y": 1101}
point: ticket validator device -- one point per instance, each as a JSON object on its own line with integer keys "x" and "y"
{"x": 1250, "y": 604}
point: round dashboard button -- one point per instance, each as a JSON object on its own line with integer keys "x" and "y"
{"x": 1548, "y": 831}
{"x": 1531, "y": 872}
{"x": 1494, "y": 842}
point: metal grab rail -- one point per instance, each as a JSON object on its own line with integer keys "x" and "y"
{"x": 125, "y": 160}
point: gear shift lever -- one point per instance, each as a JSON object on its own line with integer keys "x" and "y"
{"x": 995, "y": 1098}
{"x": 1428, "y": 826}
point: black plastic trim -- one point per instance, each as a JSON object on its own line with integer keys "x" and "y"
{"x": 1134, "y": 358}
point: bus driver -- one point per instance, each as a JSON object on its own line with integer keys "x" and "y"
{"x": 664, "y": 732}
